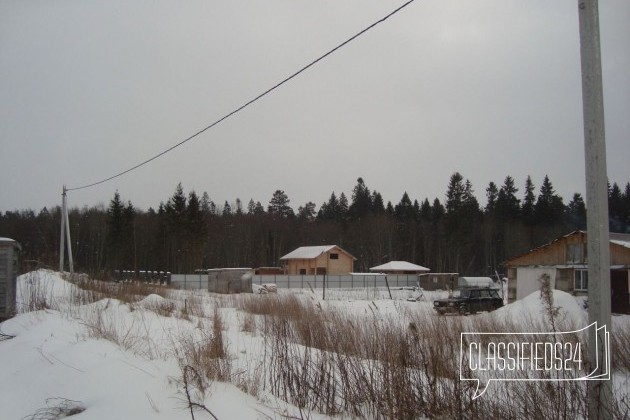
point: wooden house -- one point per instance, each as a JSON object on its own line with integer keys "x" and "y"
{"x": 565, "y": 260}
{"x": 323, "y": 259}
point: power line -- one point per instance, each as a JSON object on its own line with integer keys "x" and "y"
{"x": 312, "y": 63}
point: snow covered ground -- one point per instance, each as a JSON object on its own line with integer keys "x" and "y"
{"x": 113, "y": 360}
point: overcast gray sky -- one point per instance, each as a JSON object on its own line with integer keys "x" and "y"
{"x": 484, "y": 87}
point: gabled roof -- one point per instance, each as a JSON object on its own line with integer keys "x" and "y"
{"x": 311, "y": 252}
{"x": 621, "y": 239}
{"x": 399, "y": 266}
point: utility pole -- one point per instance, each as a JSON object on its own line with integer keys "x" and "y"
{"x": 65, "y": 234}
{"x": 62, "y": 243}
{"x": 599, "y": 392}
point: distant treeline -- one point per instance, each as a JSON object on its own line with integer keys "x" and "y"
{"x": 190, "y": 232}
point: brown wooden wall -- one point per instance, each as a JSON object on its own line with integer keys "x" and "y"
{"x": 343, "y": 265}
{"x": 555, "y": 253}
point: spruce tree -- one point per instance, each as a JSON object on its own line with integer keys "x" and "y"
{"x": 361, "y": 200}
{"x": 508, "y": 206}
{"x": 492, "y": 193}
{"x": 576, "y": 213}
{"x": 549, "y": 208}
{"x": 529, "y": 201}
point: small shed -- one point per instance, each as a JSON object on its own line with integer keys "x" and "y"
{"x": 400, "y": 267}
{"x": 322, "y": 259}
{"x": 230, "y": 280}
{"x": 9, "y": 266}
{"x": 438, "y": 281}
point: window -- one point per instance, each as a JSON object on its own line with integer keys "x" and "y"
{"x": 302, "y": 270}
{"x": 334, "y": 256}
{"x": 580, "y": 280}
{"x": 573, "y": 253}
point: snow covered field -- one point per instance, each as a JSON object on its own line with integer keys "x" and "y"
{"x": 73, "y": 352}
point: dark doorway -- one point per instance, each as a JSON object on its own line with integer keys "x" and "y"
{"x": 620, "y": 299}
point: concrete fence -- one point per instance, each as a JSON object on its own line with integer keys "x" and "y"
{"x": 337, "y": 281}
{"x": 189, "y": 281}
{"x": 200, "y": 281}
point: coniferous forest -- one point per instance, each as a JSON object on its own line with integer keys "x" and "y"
{"x": 189, "y": 231}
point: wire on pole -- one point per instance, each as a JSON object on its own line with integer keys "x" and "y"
{"x": 245, "y": 105}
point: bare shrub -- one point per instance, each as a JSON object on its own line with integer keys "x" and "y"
{"x": 162, "y": 307}
{"x": 271, "y": 304}
{"x": 57, "y": 408}
{"x": 248, "y": 323}
{"x": 191, "y": 379}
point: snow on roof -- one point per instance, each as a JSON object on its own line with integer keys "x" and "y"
{"x": 622, "y": 239}
{"x": 399, "y": 266}
{"x": 308, "y": 252}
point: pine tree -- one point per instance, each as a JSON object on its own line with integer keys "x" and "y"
{"x": 307, "y": 213}
{"x": 259, "y": 209}
{"x": 279, "y": 205}
{"x": 251, "y": 207}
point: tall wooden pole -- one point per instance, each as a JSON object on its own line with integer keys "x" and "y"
{"x": 599, "y": 392}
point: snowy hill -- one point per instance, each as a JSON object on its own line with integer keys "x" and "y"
{"x": 73, "y": 351}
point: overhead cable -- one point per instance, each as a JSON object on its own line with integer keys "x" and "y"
{"x": 312, "y": 63}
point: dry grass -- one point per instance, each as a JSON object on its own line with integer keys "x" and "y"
{"x": 192, "y": 306}
{"x": 89, "y": 290}
{"x": 403, "y": 365}
{"x": 35, "y": 293}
